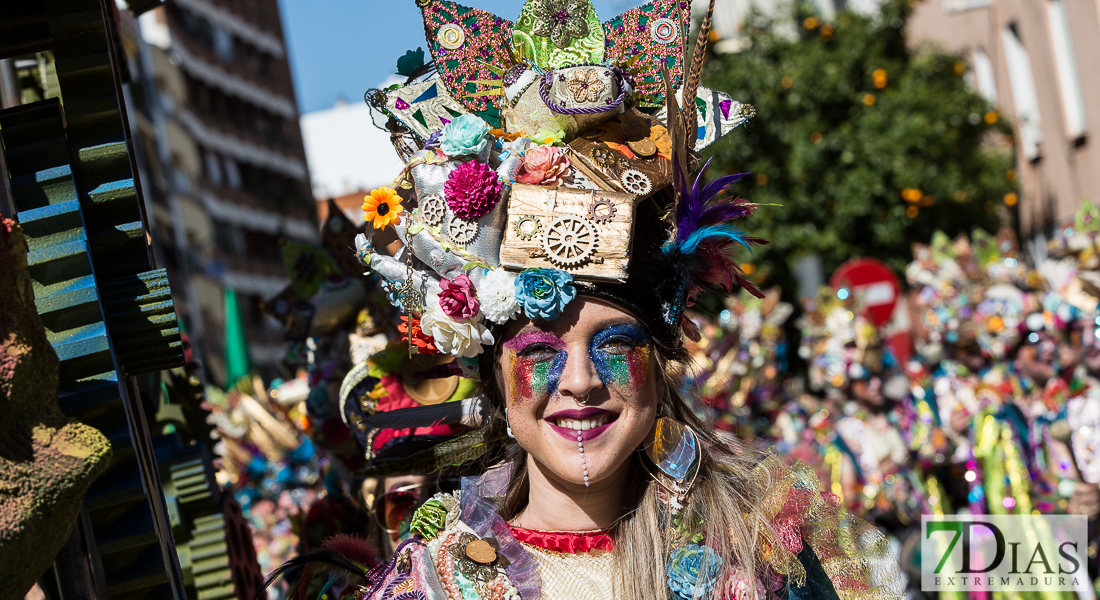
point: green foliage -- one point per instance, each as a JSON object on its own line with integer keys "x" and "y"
{"x": 846, "y": 162}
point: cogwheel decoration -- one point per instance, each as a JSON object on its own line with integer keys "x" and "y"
{"x": 636, "y": 182}
{"x": 432, "y": 209}
{"x": 462, "y": 231}
{"x": 527, "y": 227}
{"x": 569, "y": 240}
{"x": 601, "y": 210}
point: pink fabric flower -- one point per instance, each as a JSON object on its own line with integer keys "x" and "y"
{"x": 472, "y": 190}
{"x": 543, "y": 165}
{"x": 458, "y": 299}
{"x": 742, "y": 587}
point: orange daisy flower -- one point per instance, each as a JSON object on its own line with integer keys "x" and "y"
{"x": 382, "y": 207}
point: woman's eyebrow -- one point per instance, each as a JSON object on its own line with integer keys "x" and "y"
{"x": 534, "y": 337}
{"x": 621, "y": 324}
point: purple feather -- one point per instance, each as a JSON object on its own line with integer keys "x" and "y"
{"x": 692, "y": 210}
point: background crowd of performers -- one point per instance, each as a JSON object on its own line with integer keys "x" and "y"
{"x": 996, "y": 412}
{"x": 995, "y": 408}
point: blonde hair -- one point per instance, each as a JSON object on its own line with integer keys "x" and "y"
{"x": 726, "y": 501}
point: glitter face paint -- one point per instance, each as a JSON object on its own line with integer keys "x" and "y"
{"x": 537, "y": 360}
{"x": 622, "y": 356}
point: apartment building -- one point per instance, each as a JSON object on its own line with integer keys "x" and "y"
{"x": 1038, "y": 60}
{"x": 228, "y": 179}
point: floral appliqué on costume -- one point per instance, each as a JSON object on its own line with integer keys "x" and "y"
{"x": 382, "y": 207}
{"x": 585, "y": 84}
{"x": 561, "y": 20}
{"x": 543, "y": 293}
{"x": 693, "y": 571}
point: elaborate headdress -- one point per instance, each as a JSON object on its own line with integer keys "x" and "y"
{"x": 547, "y": 159}
{"x": 1071, "y": 269}
{"x": 969, "y": 289}
{"x": 533, "y": 150}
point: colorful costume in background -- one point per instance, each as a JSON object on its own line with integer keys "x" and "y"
{"x": 737, "y": 365}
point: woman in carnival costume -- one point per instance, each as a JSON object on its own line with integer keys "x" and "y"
{"x": 961, "y": 331}
{"x": 534, "y": 250}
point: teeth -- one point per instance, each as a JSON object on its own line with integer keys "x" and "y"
{"x": 584, "y": 425}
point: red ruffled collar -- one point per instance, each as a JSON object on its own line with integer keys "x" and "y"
{"x": 572, "y": 542}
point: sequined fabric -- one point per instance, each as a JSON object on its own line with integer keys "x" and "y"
{"x": 478, "y": 44}
{"x": 630, "y": 40}
{"x": 571, "y": 542}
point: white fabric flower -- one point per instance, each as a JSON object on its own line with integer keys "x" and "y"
{"x": 459, "y": 338}
{"x": 497, "y": 295}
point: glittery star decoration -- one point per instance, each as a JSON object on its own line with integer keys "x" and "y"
{"x": 472, "y": 50}
{"x": 644, "y": 39}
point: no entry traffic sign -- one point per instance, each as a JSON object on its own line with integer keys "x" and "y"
{"x": 872, "y": 283}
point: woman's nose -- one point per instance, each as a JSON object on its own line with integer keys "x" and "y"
{"x": 579, "y": 379}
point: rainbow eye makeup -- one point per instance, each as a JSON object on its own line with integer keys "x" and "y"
{"x": 622, "y": 355}
{"x": 537, "y": 360}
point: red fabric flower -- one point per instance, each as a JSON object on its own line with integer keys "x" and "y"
{"x": 421, "y": 340}
{"x": 458, "y": 299}
{"x": 472, "y": 190}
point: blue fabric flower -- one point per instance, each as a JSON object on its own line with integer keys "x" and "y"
{"x": 685, "y": 567}
{"x": 467, "y": 134}
{"x": 543, "y": 293}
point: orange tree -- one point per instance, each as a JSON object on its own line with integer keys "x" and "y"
{"x": 861, "y": 144}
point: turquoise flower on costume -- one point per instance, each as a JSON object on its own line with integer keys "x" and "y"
{"x": 467, "y": 134}
{"x": 543, "y": 293}
{"x": 684, "y": 570}
{"x": 408, "y": 64}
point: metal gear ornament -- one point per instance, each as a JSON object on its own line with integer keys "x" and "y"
{"x": 636, "y": 182}
{"x": 527, "y": 227}
{"x": 601, "y": 211}
{"x": 432, "y": 209}
{"x": 462, "y": 231}
{"x": 569, "y": 240}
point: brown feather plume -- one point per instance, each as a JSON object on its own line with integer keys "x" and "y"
{"x": 694, "y": 74}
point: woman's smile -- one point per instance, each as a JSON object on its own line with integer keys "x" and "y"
{"x": 585, "y": 424}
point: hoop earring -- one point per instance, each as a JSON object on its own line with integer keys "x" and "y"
{"x": 508, "y": 424}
